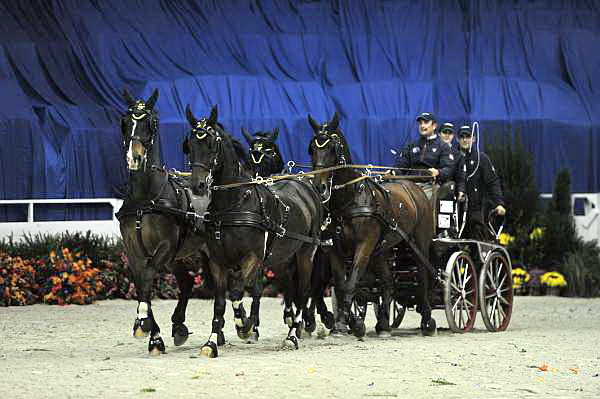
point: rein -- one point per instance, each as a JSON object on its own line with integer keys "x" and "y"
{"x": 272, "y": 179}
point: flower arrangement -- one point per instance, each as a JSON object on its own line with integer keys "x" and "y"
{"x": 553, "y": 279}
{"x": 60, "y": 270}
{"x": 520, "y": 280}
{"x": 536, "y": 234}
{"x": 505, "y": 239}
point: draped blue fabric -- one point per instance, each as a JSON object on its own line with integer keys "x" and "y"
{"x": 515, "y": 66}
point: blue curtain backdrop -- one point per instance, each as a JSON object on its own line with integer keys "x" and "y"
{"x": 528, "y": 66}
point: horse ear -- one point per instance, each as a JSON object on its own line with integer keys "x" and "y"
{"x": 186, "y": 146}
{"x": 247, "y": 136}
{"x": 275, "y": 134}
{"x": 335, "y": 121}
{"x": 313, "y": 123}
{"x": 152, "y": 100}
{"x": 128, "y": 99}
{"x": 190, "y": 116}
{"x": 213, "y": 115}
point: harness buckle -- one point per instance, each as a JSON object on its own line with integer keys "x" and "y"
{"x": 281, "y": 233}
{"x": 218, "y": 230}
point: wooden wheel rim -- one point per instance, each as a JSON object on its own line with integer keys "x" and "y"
{"x": 460, "y": 292}
{"x": 496, "y": 292}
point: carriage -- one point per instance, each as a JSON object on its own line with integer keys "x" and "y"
{"x": 471, "y": 276}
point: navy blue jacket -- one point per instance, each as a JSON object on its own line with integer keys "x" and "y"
{"x": 459, "y": 175}
{"x": 427, "y": 153}
{"x": 482, "y": 182}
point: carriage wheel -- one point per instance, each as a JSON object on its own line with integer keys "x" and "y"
{"x": 496, "y": 292}
{"x": 460, "y": 292}
{"x": 397, "y": 314}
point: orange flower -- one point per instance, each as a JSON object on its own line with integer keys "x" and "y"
{"x": 543, "y": 367}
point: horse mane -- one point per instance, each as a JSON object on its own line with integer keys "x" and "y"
{"x": 238, "y": 148}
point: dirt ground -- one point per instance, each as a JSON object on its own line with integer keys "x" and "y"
{"x": 552, "y": 349}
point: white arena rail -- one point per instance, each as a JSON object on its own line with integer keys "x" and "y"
{"x": 109, "y": 227}
{"x": 586, "y": 209}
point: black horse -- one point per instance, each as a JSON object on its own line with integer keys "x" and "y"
{"x": 264, "y": 156}
{"x": 155, "y": 223}
{"x": 251, "y": 225}
{"x": 369, "y": 218}
{"x": 265, "y": 159}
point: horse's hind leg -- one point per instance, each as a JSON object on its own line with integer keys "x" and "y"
{"x": 304, "y": 268}
{"x": 319, "y": 279}
{"x": 185, "y": 282}
{"x": 209, "y": 349}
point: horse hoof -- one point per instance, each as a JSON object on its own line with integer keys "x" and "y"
{"x": 384, "y": 334}
{"x": 290, "y": 342}
{"x": 139, "y": 333}
{"x": 145, "y": 325}
{"x": 328, "y": 320}
{"x": 310, "y": 325}
{"x": 209, "y": 350}
{"x": 243, "y": 335}
{"x": 429, "y": 328}
{"x": 180, "y": 334}
{"x": 253, "y": 337}
{"x": 358, "y": 328}
{"x": 156, "y": 346}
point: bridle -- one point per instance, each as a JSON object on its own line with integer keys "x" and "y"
{"x": 200, "y": 132}
{"x": 138, "y": 112}
{"x": 321, "y": 140}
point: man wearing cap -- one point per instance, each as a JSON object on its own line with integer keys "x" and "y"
{"x": 482, "y": 184}
{"x": 428, "y": 153}
{"x": 458, "y": 173}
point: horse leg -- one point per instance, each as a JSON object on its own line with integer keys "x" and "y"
{"x": 304, "y": 266}
{"x": 143, "y": 272}
{"x": 364, "y": 249}
{"x": 319, "y": 279}
{"x": 384, "y": 274}
{"x": 338, "y": 270}
{"x": 255, "y": 308}
{"x": 209, "y": 349}
{"x": 428, "y": 325}
{"x": 185, "y": 282}
{"x": 244, "y": 325}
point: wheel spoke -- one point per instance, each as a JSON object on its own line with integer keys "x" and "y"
{"x": 455, "y": 305}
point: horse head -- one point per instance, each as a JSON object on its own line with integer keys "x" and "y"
{"x": 327, "y": 148}
{"x": 139, "y": 126}
{"x": 265, "y": 157}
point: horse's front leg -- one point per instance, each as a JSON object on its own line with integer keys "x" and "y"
{"x": 384, "y": 274}
{"x": 369, "y": 231}
{"x": 341, "y": 313}
{"x": 143, "y": 272}
{"x": 246, "y": 326}
{"x": 185, "y": 282}
{"x": 219, "y": 274}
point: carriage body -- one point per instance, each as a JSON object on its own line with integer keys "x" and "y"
{"x": 472, "y": 276}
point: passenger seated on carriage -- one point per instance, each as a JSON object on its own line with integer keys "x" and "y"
{"x": 429, "y": 154}
{"x": 457, "y": 189}
{"x": 482, "y": 185}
